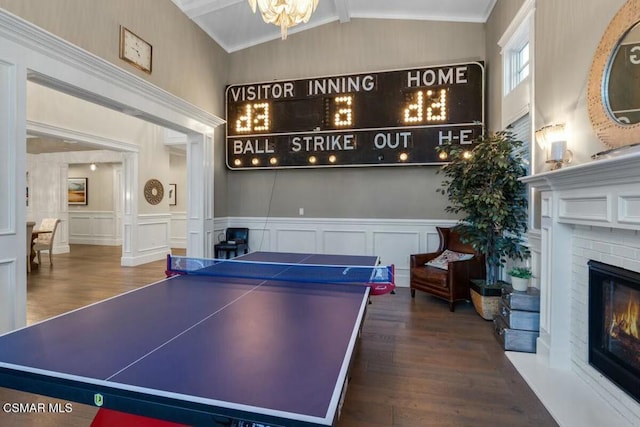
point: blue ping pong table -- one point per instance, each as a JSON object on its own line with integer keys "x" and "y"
{"x": 203, "y": 350}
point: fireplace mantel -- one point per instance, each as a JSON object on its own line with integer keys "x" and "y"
{"x": 587, "y": 211}
{"x": 603, "y": 172}
{"x": 603, "y": 193}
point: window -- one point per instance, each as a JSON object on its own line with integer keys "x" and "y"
{"x": 518, "y": 56}
{"x": 516, "y": 48}
{"x": 516, "y": 64}
{"x": 521, "y": 62}
{"x": 521, "y": 130}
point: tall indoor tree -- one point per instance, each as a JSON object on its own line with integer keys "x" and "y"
{"x": 482, "y": 184}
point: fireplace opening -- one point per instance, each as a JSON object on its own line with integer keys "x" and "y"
{"x": 614, "y": 325}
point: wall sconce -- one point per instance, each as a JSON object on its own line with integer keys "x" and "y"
{"x": 93, "y": 167}
{"x": 553, "y": 141}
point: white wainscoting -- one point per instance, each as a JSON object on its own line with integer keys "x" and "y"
{"x": 153, "y": 237}
{"x": 178, "y": 230}
{"x": 390, "y": 239}
{"x": 101, "y": 228}
{"x": 94, "y": 228}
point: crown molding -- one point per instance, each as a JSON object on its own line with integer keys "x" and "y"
{"x": 152, "y": 102}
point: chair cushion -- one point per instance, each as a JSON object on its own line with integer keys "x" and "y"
{"x": 442, "y": 261}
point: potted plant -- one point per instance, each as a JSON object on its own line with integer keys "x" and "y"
{"x": 482, "y": 185}
{"x": 520, "y": 277}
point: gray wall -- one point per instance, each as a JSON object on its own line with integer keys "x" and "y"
{"x": 356, "y": 46}
{"x": 188, "y": 64}
{"x": 566, "y": 34}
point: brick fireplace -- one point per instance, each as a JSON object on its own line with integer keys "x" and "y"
{"x": 587, "y": 212}
{"x": 614, "y": 314}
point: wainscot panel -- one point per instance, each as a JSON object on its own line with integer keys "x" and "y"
{"x": 179, "y": 230}
{"x": 390, "y": 239}
{"x": 93, "y": 228}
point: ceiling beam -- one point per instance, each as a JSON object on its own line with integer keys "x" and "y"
{"x": 196, "y": 8}
{"x": 343, "y": 10}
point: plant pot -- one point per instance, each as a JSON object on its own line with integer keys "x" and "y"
{"x": 519, "y": 284}
{"x": 486, "y": 298}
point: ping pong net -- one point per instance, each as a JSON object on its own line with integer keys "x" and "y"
{"x": 379, "y": 278}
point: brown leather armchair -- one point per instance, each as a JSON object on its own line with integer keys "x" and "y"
{"x": 453, "y": 284}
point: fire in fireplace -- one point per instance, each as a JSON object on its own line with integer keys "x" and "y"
{"x": 614, "y": 322}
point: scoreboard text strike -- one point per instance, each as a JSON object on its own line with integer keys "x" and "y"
{"x": 383, "y": 118}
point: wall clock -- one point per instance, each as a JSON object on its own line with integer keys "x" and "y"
{"x": 153, "y": 191}
{"x": 135, "y": 50}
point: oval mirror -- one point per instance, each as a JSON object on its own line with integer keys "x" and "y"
{"x": 613, "y": 93}
{"x": 622, "y": 79}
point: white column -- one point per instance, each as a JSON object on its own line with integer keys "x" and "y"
{"x": 200, "y": 227}
{"x": 118, "y": 202}
{"x": 130, "y": 211}
{"x": 555, "y": 285}
{"x": 13, "y": 181}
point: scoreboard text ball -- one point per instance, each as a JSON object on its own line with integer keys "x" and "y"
{"x": 370, "y": 119}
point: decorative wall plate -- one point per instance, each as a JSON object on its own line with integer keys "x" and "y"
{"x": 153, "y": 191}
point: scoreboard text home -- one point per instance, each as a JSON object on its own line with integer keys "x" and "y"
{"x": 370, "y": 119}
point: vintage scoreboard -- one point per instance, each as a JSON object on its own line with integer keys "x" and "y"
{"x": 369, "y": 119}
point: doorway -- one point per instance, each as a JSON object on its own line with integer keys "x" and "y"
{"x": 32, "y": 54}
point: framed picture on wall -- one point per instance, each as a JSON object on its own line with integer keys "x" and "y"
{"x": 78, "y": 191}
{"x": 172, "y": 194}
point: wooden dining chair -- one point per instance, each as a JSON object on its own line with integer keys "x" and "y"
{"x": 44, "y": 242}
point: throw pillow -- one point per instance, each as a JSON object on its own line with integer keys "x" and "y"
{"x": 442, "y": 261}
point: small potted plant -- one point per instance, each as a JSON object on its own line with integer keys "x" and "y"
{"x": 520, "y": 277}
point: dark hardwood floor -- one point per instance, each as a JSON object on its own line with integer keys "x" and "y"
{"x": 417, "y": 364}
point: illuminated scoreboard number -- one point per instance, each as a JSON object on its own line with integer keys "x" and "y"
{"x": 425, "y": 106}
{"x": 339, "y": 112}
{"x": 254, "y": 117}
{"x": 366, "y": 119}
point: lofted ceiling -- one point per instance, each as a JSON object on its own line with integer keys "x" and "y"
{"x": 233, "y": 25}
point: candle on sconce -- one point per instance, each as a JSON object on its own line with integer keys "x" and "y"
{"x": 558, "y": 149}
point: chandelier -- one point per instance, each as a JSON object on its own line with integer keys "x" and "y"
{"x": 285, "y": 13}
